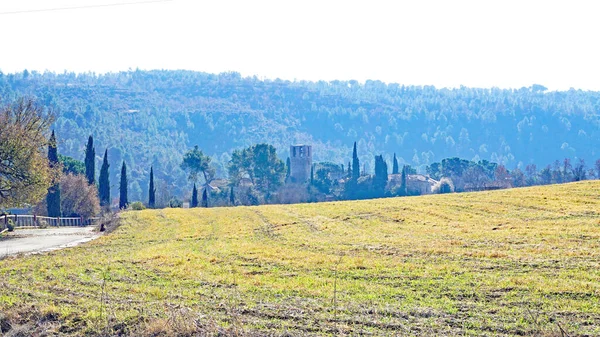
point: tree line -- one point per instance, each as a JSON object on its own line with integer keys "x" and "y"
{"x": 255, "y": 174}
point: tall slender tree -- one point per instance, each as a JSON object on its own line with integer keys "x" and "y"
{"x": 151, "y": 190}
{"x": 194, "y": 202}
{"x": 403, "y": 188}
{"x": 53, "y": 197}
{"x": 381, "y": 176}
{"x": 123, "y": 188}
{"x": 204, "y": 198}
{"x": 231, "y": 196}
{"x": 351, "y": 186}
{"x": 395, "y": 165}
{"x": 288, "y": 167}
{"x": 355, "y": 164}
{"x": 90, "y": 161}
{"x": 104, "y": 183}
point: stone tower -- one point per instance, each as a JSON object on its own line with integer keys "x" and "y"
{"x": 300, "y": 163}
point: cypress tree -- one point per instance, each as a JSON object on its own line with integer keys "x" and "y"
{"x": 204, "y": 198}
{"x": 355, "y": 164}
{"x": 53, "y": 197}
{"x": 351, "y": 187}
{"x": 194, "y": 202}
{"x": 90, "y": 161}
{"x": 151, "y": 190}
{"x": 104, "y": 183}
{"x": 288, "y": 165}
{"x": 123, "y": 188}
{"x": 381, "y": 175}
{"x": 395, "y": 165}
{"x": 403, "y": 189}
{"x": 312, "y": 174}
{"x": 231, "y": 196}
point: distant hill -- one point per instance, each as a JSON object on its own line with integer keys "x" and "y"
{"x": 152, "y": 117}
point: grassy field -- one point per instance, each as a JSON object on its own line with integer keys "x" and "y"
{"x": 515, "y": 262}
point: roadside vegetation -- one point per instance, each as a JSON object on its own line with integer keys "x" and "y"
{"x": 511, "y": 262}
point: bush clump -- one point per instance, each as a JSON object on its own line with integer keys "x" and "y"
{"x": 445, "y": 185}
{"x": 10, "y": 225}
{"x": 175, "y": 203}
{"x": 137, "y": 206}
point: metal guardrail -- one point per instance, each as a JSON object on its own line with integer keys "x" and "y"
{"x": 43, "y": 221}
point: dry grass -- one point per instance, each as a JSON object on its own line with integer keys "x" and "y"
{"x": 503, "y": 263}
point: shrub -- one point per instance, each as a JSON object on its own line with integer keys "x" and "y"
{"x": 109, "y": 221}
{"x": 445, "y": 185}
{"x": 42, "y": 224}
{"x": 137, "y": 206}
{"x": 175, "y": 203}
{"x": 10, "y": 225}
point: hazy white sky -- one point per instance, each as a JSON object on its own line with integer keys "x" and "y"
{"x": 435, "y": 42}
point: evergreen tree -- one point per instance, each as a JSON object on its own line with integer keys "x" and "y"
{"x": 231, "y": 196}
{"x": 104, "y": 183}
{"x": 53, "y": 197}
{"x": 395, "y": 165}
{"x": 261, "y": 165}
{"x": 351, "y": 186}
{"x": 204, "y": 198}
{"x": 123, "y": 188}
{"x": 195, "y": 162}
{"x": 151, "y": 190}
{"x": 312, "y": 174}
{"x": 381, "y": 176}
{"x": 90, "y": 161}
{"x": 355, "y": 164}
{"x": 194, "y": 202}
{"x": 403, "y": 188}
{"x": 288, "y": 166}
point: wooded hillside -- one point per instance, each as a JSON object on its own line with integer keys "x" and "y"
{"x": 150, "y": 118}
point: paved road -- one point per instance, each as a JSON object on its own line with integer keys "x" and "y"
{"x": 42, "y": 240}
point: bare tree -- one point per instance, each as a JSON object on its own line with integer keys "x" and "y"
{"x": 518, "y": 178}
{"x": 579, "y": 172}
{"x": 476, "y": 177}
{"x": 77, "y": 198}
{"x": 567, "y": 172}
{"x": 502, "y": 176}
{"x": 531, "y": 174}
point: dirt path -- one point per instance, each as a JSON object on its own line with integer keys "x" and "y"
{"x": 43, "y": 240}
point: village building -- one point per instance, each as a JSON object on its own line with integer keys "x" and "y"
{"x": 416, "y": 184}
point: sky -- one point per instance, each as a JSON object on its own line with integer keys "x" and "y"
{"x": 506, "y": 44}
